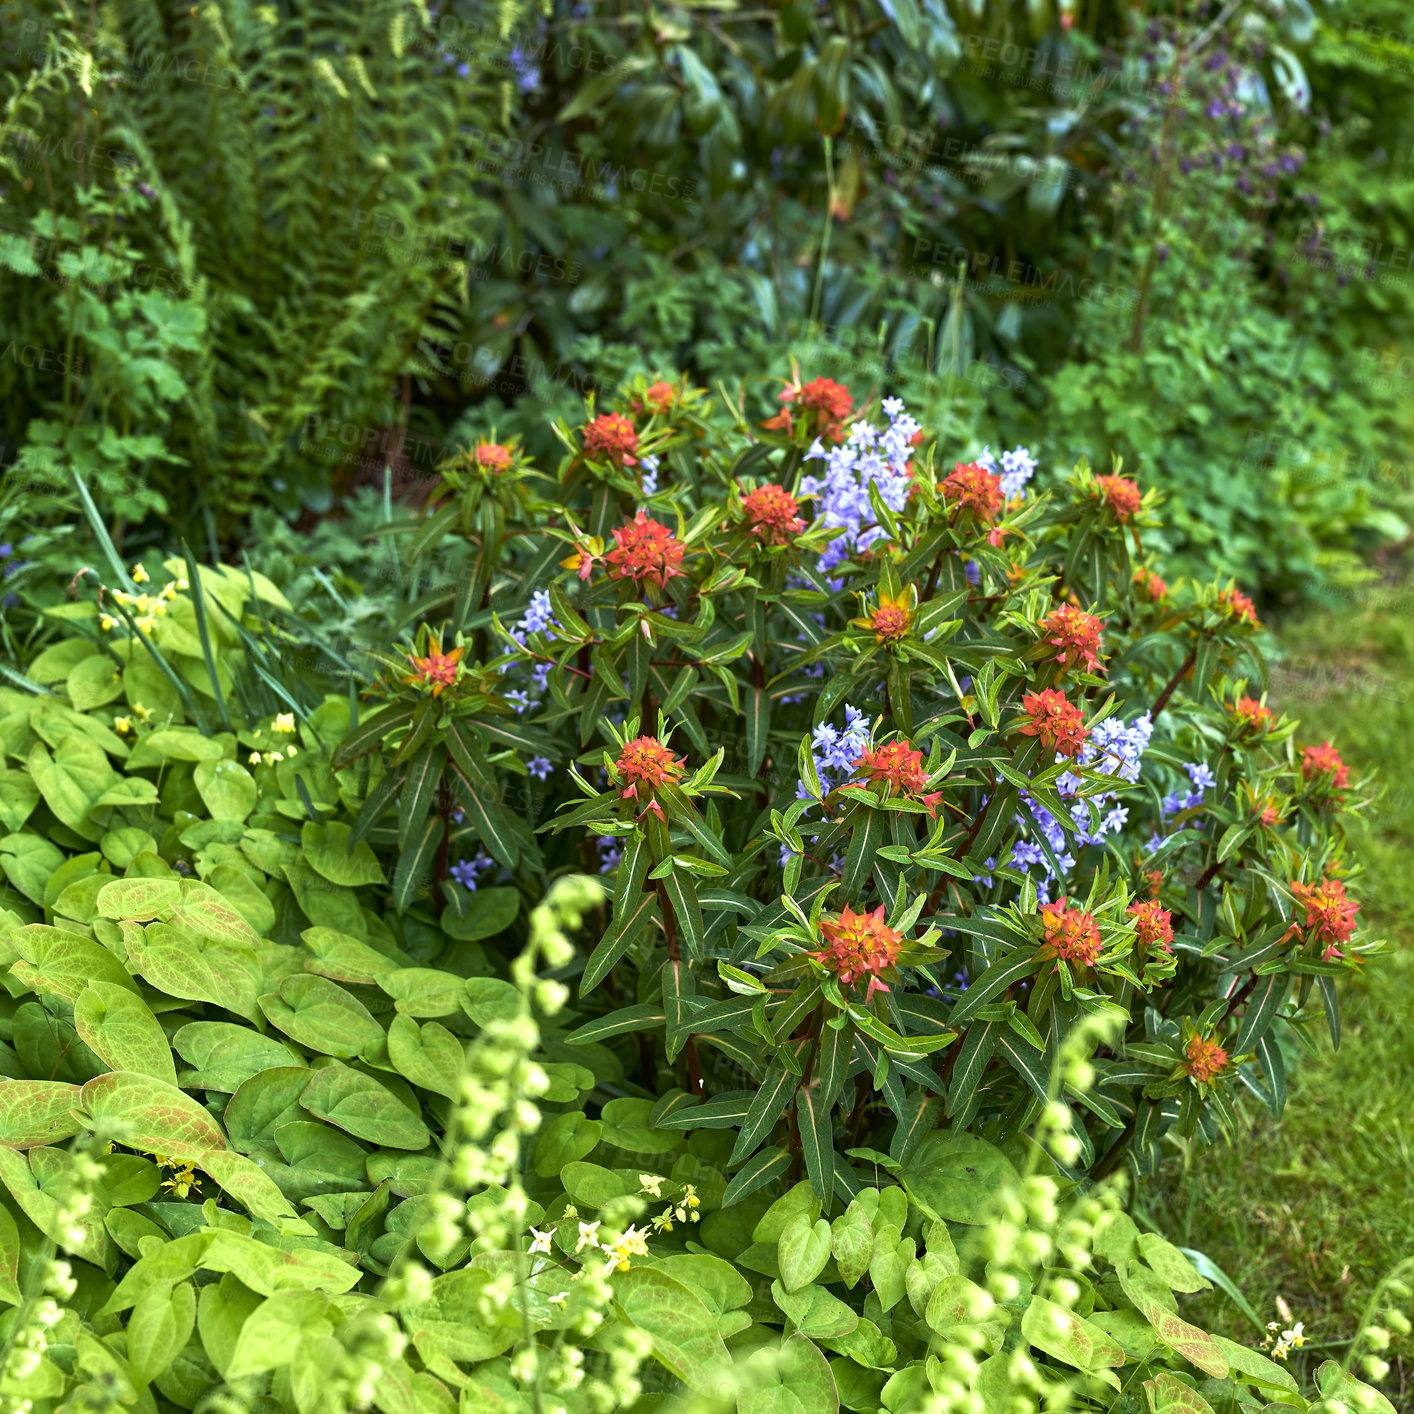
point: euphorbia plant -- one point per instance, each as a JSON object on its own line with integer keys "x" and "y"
{"x": 905, "y": 761}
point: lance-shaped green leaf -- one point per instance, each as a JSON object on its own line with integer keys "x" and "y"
{"x": 681, "y": 891}
{"x": 646, "y": 1017}
{"x": 1265, "y": 1000}
{"x": 624, "y": 931}
{"x": 766, "y": 1108}
{"x": 370, "y": 732}
{"x": 421, "y": 778}
{"x": 415, "y": 863}
{"x": 817, "y": 1142}
{"x": 489, "y": 821}
{"x": 758, "y": 726}
{"x": 1003, "y": 973}
{"x": 977, "y": 1047}
{"x": 763, "y": 1167}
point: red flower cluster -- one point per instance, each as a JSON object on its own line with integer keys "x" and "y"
{"x": 1269, "y": 815}
{"x": 646, "y": 552}
{"x": 1206, "y": 1059}
{"x": 494, "y": 455}
{"x": 901, "y": 767}
{"x": 438, "y": 670}
{"x": 1076, "y": 634}
{"x": 1149, "y": 585}
{"x": 611, "y": 436}
{"x": 773, "y": 514}
{"x": 645, "y": 764}
{"x": 1325, "y": 761}
{"x": 657, "y": 397}
{"x": 1329, "y": 914}
{"x": 1254, "y": 716}
{"x": 1121, "y": 495}
{"x": 859, "y": 945}
{"x": 971, "y": 487}
{"x": 1059, "y": 724}
{"x": 1070, "y": 934}
{"x": 1238, "y": 607}
{"x": 828, "y": 404}
{"x": 1153, "y": 926}
{"x": 891, "y": 620}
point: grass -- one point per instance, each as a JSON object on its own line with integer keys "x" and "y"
{"x": 1314, "y": 1210}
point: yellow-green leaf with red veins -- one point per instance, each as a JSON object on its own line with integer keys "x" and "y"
{"x": 1196, "y": 1346}
{"x": 1066, "y": 1336}
{"x": 152, "y": 1116}
{"x": 63, "y": 964}
{"x": 140, "y": 899}
{"x": 208, "y": 915}
{"x": 36, "y": 1112}
{"x": 243, "y": 1179}
{"x": 1169, "y": 1395}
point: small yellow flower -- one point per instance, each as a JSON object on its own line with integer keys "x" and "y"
{"x": 169, "y": 590}
{"x": 143, "y": 712}
{"x": 140, "y": 575}
{"x": 650, "y": 1184}
{"x": 107, "y": 623}
{"x": 560, "y": 1298}
{"x": 291, "y": 752}
{"x": 255, "y": 758}
{"x": 122, "y": 724}
{"x": 273, "y": 756}
{"x": 284, "y": 722}
{"x": 144, "y": 623}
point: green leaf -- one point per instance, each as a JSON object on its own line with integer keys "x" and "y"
{"x": 996, "y": 979}
{"x": 682, "y": 1330}
{"x": 817, "y": 1142}
{"x": 415, "y": 863}
{"x": 815, "y": 1311}
{"x": 320, "y": 1014}
{"x": 483, "y": 914}
{"x": 681, "y": 890}
{"x": 767, "y": 1106}
{"x": 371, "y": 732}
{"x": 358, "y": 1104}
{"x": 227, "y": 789}
{"x": 330, "y": 853}
{"x": 160, "y": 1325}
{"x": 1065, "y": 1336}
{"x": 423, "y": 991}
{"x": 634, "y": 1018}
{"x": 803, "y": 1250}
{"x": 34, "y": 1112}
{"x": 429, "y": 1056}
{"x": 758, "y": 724}
{"x": 624, "y": 931}
{"x": 148, "y": 1114}
{"x": 224, "y": 1055}
{"x": 957, "y": 1177}
{"x": 489, "y": 821}
{"x": 852, "y": 1242}
{"x": 795, "y": 1379}
{"x": 761, "y": 1168}
{"x": 120, "y": 1028}
{"x": 1167, "y": 1394}
{"x": 72, "y": 779}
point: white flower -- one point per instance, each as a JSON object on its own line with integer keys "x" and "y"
{"x": 284, "y": 722}
{"x": 255, "y": 758}
{"x": 588, "y": 1236}
{"x": 542, "y": 1240}
{"x": 560, "y": 1298}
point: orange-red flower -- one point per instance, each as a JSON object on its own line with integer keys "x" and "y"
{"x": 1071, "y": 934}
{"x": 826, "y": 405}
{"x": 772, "y": 514}
{"x": 1153, "y": 926}
{"x": 1269, "y": 815}
{"x": 892, "y": 619}
{"x": 1149, "y": 585}
{"x": 1253, "y": 715}
{"x": 1206, "y": 1060}
{"x": 1059, "y": 724}
{"x": 859, "y": 945}
{"x": 657, "y": 397}
{"x": 1076, "y": 634}
{"x": 437, "y": 670}
{"x": 1238, "y": 607}
{"x": 901, "y": 767}
{"x": 645, "y": 764}
{"x": 611, "y": 436}
{"x": 646, "y": 552}
{"x": 971, "y": 487}
{"x": 1324, "y": 763}
{"x": 1121, "y": 495}
{"x": 1330, "y": 916}
{"x": 493, "y": 455}
{"x": 1155, "y": 880}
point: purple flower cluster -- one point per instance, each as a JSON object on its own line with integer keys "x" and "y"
{"x": 1017, "y": 468}
{"x": 869, "y": 456}
{"x": 465, "y": 871}
{"x": 1113, "y": 749}
{"x": 835, "y": 752}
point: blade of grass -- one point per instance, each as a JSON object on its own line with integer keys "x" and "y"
{"x": 198, "y": 600}
{"x": 100, "y": 532}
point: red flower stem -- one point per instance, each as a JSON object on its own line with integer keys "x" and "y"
{"x": 1172, "y": 687}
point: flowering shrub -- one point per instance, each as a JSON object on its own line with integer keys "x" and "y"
{"x": 933, "y": 836}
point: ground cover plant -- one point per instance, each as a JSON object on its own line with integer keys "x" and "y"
{"x": 783, "y": 869}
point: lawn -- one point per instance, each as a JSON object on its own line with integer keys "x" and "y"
{"x": 1315, "y": 1209}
